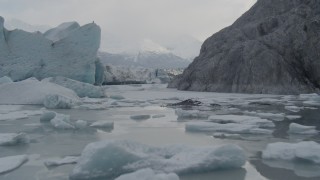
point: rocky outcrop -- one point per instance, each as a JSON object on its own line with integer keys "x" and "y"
{"x": 68, "y": 50}
{"x": 273, "y": 48}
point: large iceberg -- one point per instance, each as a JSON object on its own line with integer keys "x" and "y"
{"x": 68, "y": 51}
{"x": 32, "y": 91}
{"x": 148, "y": 174}
{"x": 109, "y": 159}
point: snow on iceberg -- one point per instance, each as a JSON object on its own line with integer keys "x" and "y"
{"x": 32, "y": 91}
{"x": 227, "y": 128}
{"x": 5, "y": 79}
{"x": 11, "y": 163}
{"x": 300, "y": 129}
{"x": 148, "y": 174}
{"x": 239, "y": 119}
{"x": 109, "y": 159}
{"x": 61, "y": 161}
{"x": 189, "y": 114}
{"x": 307, "y": 151}
{"x": 11, "y": 139}
{"x": 82, "y": 89}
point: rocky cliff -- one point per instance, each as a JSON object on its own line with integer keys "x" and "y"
{"x": 273, "y": 48}
{"x": 68, "y": 50}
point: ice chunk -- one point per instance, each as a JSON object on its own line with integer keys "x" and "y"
{"x": 82, "y": 89}
{"x": 80, "y": 124}
{"x": 300, "y": 129}
{"x": 293, "y": 117}
{"x": 307, "y": 150}
{"x": 102, "y": 124}
{"x": 250, "y": 120}
{"x": 228, "y": 128}
{"x": 11, "y": 163}
{"x": 147, "y": 174}
{"x": 47, "y": 116}
{"x": 271, "y": 116}
{"x": 158, "y": 116}
{"x": 293, "y": 108}
{"x": 55, "y": 101}
{"x": 61, "y": 121}
{"x": 140, "y": 117}
{"x": 191, "y": 114}
{"x": 32, "y": 91}
{"x": 5, "y": 79}
{"x": 11, "y": 139}
{"x": 311, "y": 103}
{"x": 92, "y": 106}
{"x": 61, "y": 161}
{"x": 229, "y": 136}
{"x": 109, "y": 159}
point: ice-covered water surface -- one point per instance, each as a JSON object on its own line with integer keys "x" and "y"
{"x": 153, "y": 115}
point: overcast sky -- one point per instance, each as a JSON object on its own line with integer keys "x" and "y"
{"x": 127, "y": 18}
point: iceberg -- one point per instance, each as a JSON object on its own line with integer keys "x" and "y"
{"x": 47, "y": 116}
{"x": 308, "y": 151}
{"x": 32, "y": 92}
{"x": 81, "y": 124}
{"x": 61, "y": 121}
{"x": 69, "y": 51}
{"x": 11, "y": 163}
{"x": 12, "y": 139}
{"x": 148, "y": 174}
{"x": 110, "y": 159}
{"x": 82, "y": 89}
{"x": 239, "y": 119}
{"x": 271, "y": 116}
{"x": 295, "y": 128}
{"x": 227, "y": 128}
{"x": 5, "y": 79}
{"x": 55, "y": 101}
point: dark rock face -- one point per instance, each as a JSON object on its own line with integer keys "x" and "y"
{"x": 273, "y": 48}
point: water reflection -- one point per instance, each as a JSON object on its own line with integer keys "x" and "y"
{"x": 238, "y": 174}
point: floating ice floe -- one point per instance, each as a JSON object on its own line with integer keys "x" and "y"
{"x": 239, "y": 119}
{"x": 293, "y": 108}
{"x": 271, "y": 116}
{"x": 55, "y": 101}
{"x": 307, "y": 151}
{"x": 140, "y": 117}
{"x": 81, "y": 124}
{"x": 61, "y": 121}
{"x": 32, "y": 91}
{"x": 227, "y": 128}
{"x": 92, "y": 106}
{"x": 82, "y": 89}
{"x": 189, "y": 114}
{"x": 148, "y": 174}
{"x": 11, "y": 163}
{"x": 47, "y": 116}
{"x": 158, "y": 116}
{"x": 103, "y": 124}
{"x": 11, "y": 139}
{"x": 300, "y": 129}
{"x": 5, "y": 79}
{"x": 61, "y": 161}
{"x": 14, "y": 115}
{"x": 109, "y": 159}
{"x": 293, "y": 117}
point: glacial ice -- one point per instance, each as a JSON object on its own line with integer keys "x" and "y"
{"x": 62, "y": 31}
{"x": 293, "y": 108}
{"x": 148, "y": 174}
{"x": 228, "y": 128}
{"x": 271, "y": 116}
{"x": 82, "y": 89}
{"x": 11, "y": 163}
{"x": 189, "y": 114}
{"x": 238, "y": 119}
{"x": 55, "y": 101}
{"x": 31, "y": 91}
{"x": 306, "y": 150}
{"x": 61, "y": 161}
{"x": 102, "y": 124}
{"x": 61, "y": 121}
{"x": 12, "y": 139}
{"x": 5, "y": 79}
{"x": 300, "y": 129}
{"x": 47, "y": 116}
{"x": 109, "y": 159}
{"x": 81, "y": 124}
